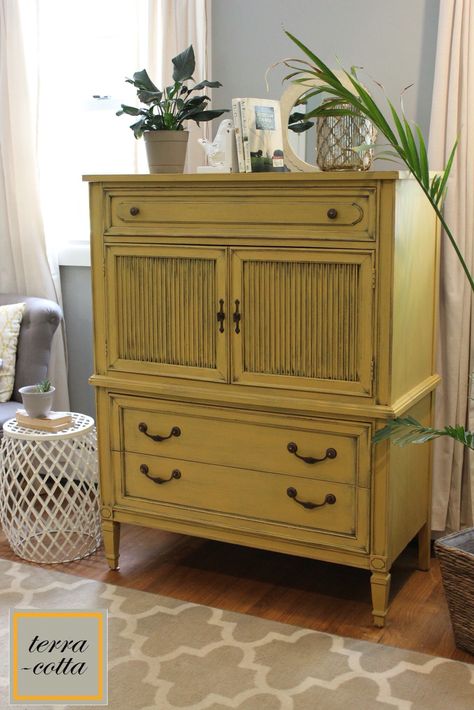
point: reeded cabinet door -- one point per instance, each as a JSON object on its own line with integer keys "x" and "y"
{"x": 305, "y": 319}
{"x": 162, "y": 306}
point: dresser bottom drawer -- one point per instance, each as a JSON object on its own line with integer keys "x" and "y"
{"x": 274, "y": 498}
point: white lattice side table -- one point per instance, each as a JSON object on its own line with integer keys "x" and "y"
{"x": 49, "y": 499}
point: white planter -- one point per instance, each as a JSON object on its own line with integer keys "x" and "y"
{"x": 36, "y": 404}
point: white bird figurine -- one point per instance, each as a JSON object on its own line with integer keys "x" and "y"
{"x": 221, "y": 152}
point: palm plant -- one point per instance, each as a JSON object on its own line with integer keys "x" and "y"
{"x": 405, "y": 143}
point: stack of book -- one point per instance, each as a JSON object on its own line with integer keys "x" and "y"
{"x": 258, "y": 135}
{"x": 54, "y": 421}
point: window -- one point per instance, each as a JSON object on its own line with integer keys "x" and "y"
{"x": 78, "y": 55}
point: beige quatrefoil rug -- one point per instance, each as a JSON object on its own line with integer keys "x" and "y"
{"x": 168, "y": 655}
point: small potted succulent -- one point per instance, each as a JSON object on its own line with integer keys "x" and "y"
{"x": 161, "y": 120}
{"x": 38, "y": 399}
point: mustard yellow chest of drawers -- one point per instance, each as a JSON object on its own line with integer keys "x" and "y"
{"x": 251, "y": 333}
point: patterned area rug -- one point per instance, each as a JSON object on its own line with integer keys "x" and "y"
{"x": 168, "y": 655}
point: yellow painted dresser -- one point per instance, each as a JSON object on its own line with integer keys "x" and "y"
{"x": 251, "y": 333}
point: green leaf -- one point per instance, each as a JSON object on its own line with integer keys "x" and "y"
{"x": 142, "y": 81}
{"x": 366, "y": 105}
{"x": 300, "y": 127}
{"x": 402, "y": 151}
{"x": 461, "y": 435}
{"x": 445, "y": 176}
{"x": 297, "y": 122}
{"x": 363, "y": 147}
{"x": 197, "y": 101}
{"x": 205, "y": 83}
{"x": 295, "y": 116}
{"x": 412, "y": 151}
{"x": 138, "y": 128}
{"x": 329, "y": 75}
{"x": 435, "y": 182}
{"x": 306, "y": 97}
{"x": 328, "y": 111}
{"x": 389, "y": 156}
{"x": 130, "y": 111}
{"x": 290, "y": 76}
{"x": 424, "y": 169}
{"x": 205, "y": 115}
{"x": 407, "y": 430}
{"x": 148, "y": 97}
{"x": 184, "y": 65}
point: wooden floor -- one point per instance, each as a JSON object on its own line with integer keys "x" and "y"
{"x": 293, "y": 590}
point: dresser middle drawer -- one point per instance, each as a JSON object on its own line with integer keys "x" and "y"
{"x": 321, "y": 449}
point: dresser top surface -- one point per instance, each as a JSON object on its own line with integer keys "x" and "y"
{"x": 254, "y": 178}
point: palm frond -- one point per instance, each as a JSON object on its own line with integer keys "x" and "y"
{"x": 409, "y": 145}
{"x": 444, "y": 178}
{"x": 407, "y": 430}
{"x": 424, "y": 167}
{"x": 413, "y": 151}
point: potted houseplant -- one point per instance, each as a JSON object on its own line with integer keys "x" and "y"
{"x": 161, "y": 120}
{"x": 455, "y": 551}
{"x": 406, "y": 144}
{"x": 38, "y": 399}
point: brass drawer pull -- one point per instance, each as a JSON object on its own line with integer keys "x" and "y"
{"x": 330, "y": 499}
{"x": 221, "y": 316}
{"x": 293, "y": 449}
{"x": 237, "y": 316}
{"x": 332, "y": 213}
{"x": 134, "y": 211}
{"x": 175, "y": 431}
{"x": 176, "y": 474}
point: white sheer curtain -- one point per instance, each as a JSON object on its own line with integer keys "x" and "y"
{"x": 74, "y": 58}
{"x": 24, "y": 264}
{"x": 453, "y": 116}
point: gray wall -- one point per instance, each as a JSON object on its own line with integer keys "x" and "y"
{"x": 77, "y": 305}
{"x": 394, "y": 41}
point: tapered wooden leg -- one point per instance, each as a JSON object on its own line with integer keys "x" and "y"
{"x": 424, "y": 547}
{"x": 111, "y": 534}
{"x": 380, "y": 586}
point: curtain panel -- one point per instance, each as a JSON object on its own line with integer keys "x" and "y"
{"x": 24, "y": 265}
{"x": 452, "y": 117}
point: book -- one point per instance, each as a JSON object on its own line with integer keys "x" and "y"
{"x": 262, "y": 136}
{"x": 236, "y": 115}
{"x": 54, "y": 421}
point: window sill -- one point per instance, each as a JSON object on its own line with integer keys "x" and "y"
{"x": 75, "y": 254}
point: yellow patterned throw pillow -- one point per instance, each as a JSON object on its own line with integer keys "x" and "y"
{"x": 10, "y": 322}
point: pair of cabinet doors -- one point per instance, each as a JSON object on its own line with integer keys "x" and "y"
{"x": 291, "y": 318}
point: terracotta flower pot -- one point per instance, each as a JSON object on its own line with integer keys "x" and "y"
{"x": 166, "y": 150}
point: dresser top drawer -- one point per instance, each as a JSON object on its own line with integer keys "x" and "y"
{"x": 319, "y": 449}
{"x": 344, "y": 213}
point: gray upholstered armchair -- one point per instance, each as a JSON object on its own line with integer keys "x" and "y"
{"x": 40, "y": 321}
